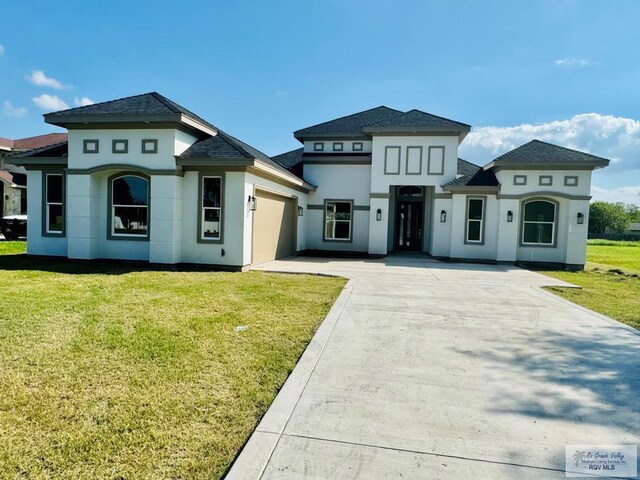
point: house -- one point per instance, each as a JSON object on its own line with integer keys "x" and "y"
{"x": 143, "y": 178}
{"x": 13, "y": 179}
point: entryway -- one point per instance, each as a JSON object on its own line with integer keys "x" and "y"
{"x": 409, "y": 217}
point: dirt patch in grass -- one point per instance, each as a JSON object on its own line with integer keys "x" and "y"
{"x": 114, "y": 371}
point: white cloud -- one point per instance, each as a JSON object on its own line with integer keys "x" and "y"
{"x": 620, "y": 194}
{"x": 50, "y": 102}
{"x": 282, "y": 93}
{"x": 39, "y": 79}
{"x": 83, "y": 101}
{"x": 12, "y": 111}
{"x": 2, "y": 50}
{"x": 572, "y": 62}
{"x": 615, "y": 138}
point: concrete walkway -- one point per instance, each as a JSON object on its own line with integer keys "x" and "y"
{"x": 433, "y": 370}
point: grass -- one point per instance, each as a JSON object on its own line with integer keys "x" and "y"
{"x": 114, "y": 371}
{"x": 610, "y": 282}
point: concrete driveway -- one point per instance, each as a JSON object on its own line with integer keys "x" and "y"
{"x": 433, "y": 370}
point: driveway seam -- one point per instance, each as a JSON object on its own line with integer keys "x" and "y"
{"x": 350, "y": 286}
{"x": 420, "y": 452}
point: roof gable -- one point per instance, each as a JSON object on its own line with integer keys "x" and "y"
{"x": 349, "y": 125}
{"x": 417, "y": 120}
{"x": 141, "y": 107}
{"x": 537, "y": 154}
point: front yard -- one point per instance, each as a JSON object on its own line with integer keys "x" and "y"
{"x": 610, "y": 282}
{"x": 116, "y": 371}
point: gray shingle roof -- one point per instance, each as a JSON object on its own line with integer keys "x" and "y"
{"x": 467, "y": 168}
{"x": 56, "y": 150}
{"x": 214, "y": 147}
{"x": 538, "y": 152}
{"x": 481, "y": 178}
{"x": 289, "y": 159}
{"x": 145, "y": 104}
{"x": 350, "y": 125}
{"x": 419, "y": 120}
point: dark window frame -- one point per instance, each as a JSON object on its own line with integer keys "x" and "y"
{"x": 325, "y": 221}
{"x": 45, "y": 204}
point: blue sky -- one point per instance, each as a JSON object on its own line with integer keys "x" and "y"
{"x": 563, "y": 71}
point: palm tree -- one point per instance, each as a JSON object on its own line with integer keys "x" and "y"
{"x": 579, "y": 457}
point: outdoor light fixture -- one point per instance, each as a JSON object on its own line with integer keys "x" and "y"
{"x": 300, "y": 211}
{"x": 509, "y": 216}
{"x": 251, "y": 203}
{"x": 378, "y": 215}
{"x": 580, "y": 218}
{"x": 443, "y": 216}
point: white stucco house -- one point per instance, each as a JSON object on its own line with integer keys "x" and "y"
{"x": 142, "y": 178}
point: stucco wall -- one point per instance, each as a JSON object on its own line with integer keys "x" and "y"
{"x": 170, "y": 142}
{"x": 380, "y": 181}
{"x": 37, "y": 244}
{"x": 486, "y": 250}
{"x": 338, "y": 182}
{"x": 347, "y": 146}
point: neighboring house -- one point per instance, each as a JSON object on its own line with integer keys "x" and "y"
{"x": 13, "y": 179}
{"x": 143, "y": 178}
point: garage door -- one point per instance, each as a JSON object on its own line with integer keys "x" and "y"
{"x": 274, "y": 227}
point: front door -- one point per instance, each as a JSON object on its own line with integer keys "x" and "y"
{"x": 409, "y": 226}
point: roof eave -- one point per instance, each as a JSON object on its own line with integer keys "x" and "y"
{"x": 472, "y": 188}
{"x": 496, "y": 166}
{"x": 78, "y": 120}
{"x": 302, "y": 137}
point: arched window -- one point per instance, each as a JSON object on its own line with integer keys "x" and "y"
{"x": 539, "y": 222}
{"x": 129, "y": 207}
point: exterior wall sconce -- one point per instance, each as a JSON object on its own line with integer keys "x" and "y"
{"x": 251, "y": 203}
{"x": 300, "y": 211}
{"x": 443, "y": 216}
{"x": 580, "y": 218}
{"x": 378, "y": 215}
{"x": 509, "y": 216}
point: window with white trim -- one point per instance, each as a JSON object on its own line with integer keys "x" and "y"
{"x": 539, "y": 222}
{"x": 475, "y": 220}
{"x": 54, "y": 200}
{"x": 338, "y": 220}
{"x": 211, "y": 208}
{"x": 130, "y": 206}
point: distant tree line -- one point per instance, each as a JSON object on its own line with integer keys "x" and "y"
{"x": 615, "y": 216}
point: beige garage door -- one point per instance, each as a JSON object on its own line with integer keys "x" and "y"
{"x": 274, "y": 227}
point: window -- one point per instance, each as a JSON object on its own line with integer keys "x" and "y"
{"x": 54, "y": 204}
{"x": 570, "y": 181}
{"x": 338, "y": 146}
{"x": 149, "y": 146}
{"x": 545, "y": 180}
{"x": 519, "y": 179}
{"x": 211, "y": 208}
{"x": 410, "y": 191}
{"x": 357, "y": 146}
{"x": 129, "y": 206}
{"x": 337, "y": 220}
{"x": 90, "y": 146}
{"x": 120, "y": 146}
{"x": 475, "y": 220}
{"x": 538, "y": 225}
{"x": 318, "y": 146}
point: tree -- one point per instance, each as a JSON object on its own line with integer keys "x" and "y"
{"x": 606, "y": 214}
{"x": 633, "y": 211}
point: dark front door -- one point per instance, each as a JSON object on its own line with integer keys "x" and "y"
{"x": 409, "y": 226}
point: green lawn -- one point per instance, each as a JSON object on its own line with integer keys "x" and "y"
{"x": 610, "y": 283}
{"x": 116, "y": 371}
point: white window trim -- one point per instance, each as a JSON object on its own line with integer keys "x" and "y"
{"x": 203, "y": 210}
{"x": 114, "y": 206}
{"x": 326, "y": 221}
{"x": 48, "y": 203}
{"x": 480, "y": 240}
{"x": 553, "y": 224}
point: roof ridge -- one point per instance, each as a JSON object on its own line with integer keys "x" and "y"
{"x": 438, "y": 116}
{"x": 165, "y": 101}
{"x": 104, "y": 103}
{"x": 232, "y": 142}
{"x": 564, "y": 148}
{"x": 287, "y": 153}
{"x": 347, "y": 116}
